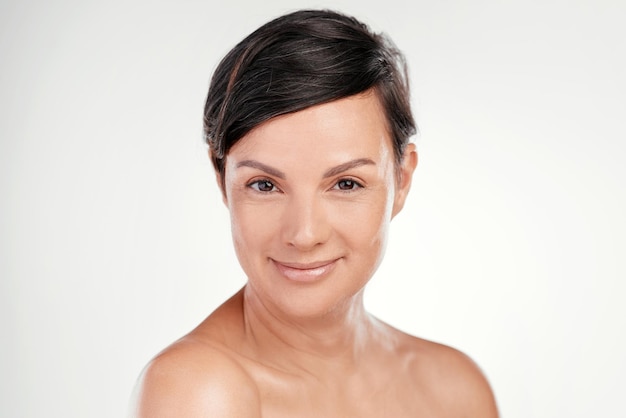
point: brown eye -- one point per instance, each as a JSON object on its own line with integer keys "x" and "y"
{"x": 263, "y": 186}
{"x": 347, "y": 185}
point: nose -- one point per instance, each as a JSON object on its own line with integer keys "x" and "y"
{"x": 305, "y": 223}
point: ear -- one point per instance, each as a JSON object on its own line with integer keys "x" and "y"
{"x": 407, "y": 167}
{"x": 220, "y": 182}
{"x": 221, "y": 185}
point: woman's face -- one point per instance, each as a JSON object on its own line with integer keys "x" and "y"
{"x": 311, "y": 195}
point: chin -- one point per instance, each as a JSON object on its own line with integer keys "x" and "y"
{"x": 309, "y": 301}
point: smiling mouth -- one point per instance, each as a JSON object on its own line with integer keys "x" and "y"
{"x": 305, "y": 272}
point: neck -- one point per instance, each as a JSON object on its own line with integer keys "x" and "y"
{"x": 332, "y": 341}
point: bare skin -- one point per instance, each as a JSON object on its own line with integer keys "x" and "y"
{"x": 310, "y": 231}
{"x": 223, "y": 369}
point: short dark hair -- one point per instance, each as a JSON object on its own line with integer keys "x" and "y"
{"x": 298, "y": 60}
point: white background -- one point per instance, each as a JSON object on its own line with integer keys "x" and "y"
{"x": 114, "y": 242}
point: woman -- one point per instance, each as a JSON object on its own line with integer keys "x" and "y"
{"x": 308, "y": 121}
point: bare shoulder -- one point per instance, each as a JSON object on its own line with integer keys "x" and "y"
{"x": 452, "y": 378}
{"x": 194, "y": 379}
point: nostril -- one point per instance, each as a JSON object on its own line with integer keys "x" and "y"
{"x": 305, "y": 226}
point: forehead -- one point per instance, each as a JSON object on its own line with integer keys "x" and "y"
{"x": 352, "y": 124}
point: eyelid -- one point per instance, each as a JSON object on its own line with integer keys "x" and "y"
{"x": 358, "y": 183}
{"x": 258, "y": 180}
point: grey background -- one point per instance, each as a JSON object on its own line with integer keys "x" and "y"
{"x": 114, "y": 241}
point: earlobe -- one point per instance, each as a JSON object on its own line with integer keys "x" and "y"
{"x": 409, "y": 163}
{"x": 220, "y": 182}
{"x": 221, "y": 185}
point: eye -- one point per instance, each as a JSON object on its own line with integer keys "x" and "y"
{"x": 264, "y": 186}
{"x": 347, "y": 185}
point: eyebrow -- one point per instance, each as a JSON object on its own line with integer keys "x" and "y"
{"x": 329, "y": 173}
{"x": 263, "y": 167}
{"x": 348, "y": 166}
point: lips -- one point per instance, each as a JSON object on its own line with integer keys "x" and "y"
{"x": 305, "y": 272}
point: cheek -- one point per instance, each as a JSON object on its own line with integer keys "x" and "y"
{"x": 250, "y": 227}
{"x": 366, "y": 224}
{"x": 249, "y": 235}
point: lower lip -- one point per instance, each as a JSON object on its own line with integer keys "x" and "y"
{"x": 305, "y": 275}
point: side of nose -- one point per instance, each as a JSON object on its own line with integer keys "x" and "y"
{"x": 305, "y": 223}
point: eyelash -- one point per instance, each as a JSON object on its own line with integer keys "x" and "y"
{"x": 262, "y": 181}
{"x": 256, "y": 183}
{"x": 356, "y": 185}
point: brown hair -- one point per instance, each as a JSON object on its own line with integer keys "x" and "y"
{"x": 299, "y": 60}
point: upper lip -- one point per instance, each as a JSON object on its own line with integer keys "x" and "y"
{"x": 306, "y": 266}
